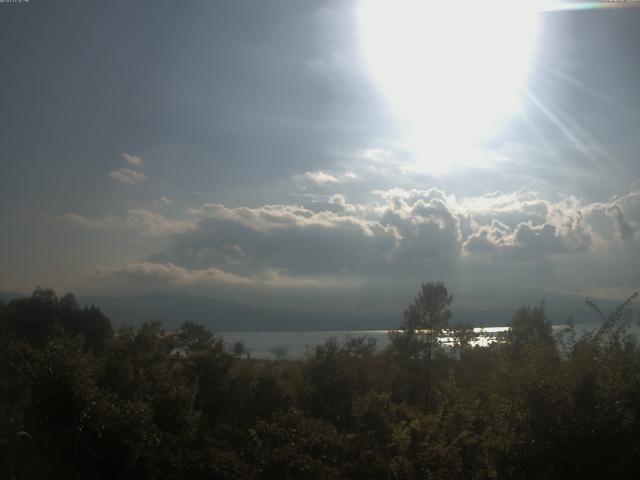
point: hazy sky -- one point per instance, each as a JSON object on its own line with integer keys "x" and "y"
{"x": 246, "y": 150}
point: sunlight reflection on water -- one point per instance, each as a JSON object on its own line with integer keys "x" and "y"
{"x": 295, "y": 344}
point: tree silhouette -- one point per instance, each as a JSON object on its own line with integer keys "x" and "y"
{"x": 424, "y": 323}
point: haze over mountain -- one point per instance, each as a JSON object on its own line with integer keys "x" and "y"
{"x": 220, "y": 315}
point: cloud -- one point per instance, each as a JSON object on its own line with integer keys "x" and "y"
{"x": 400, "y": 236}
{"x": 290, "y": 238}
{"x": 168, "y": 273}
{"x": 520, "y": 225}
{"x": 154, "y": 223}
{"x": 148, "y": 273}
{"x": 126, "y": 175}
{"x": 620, "y": 215}
{"x": 623, "y": 228}
{"x": 527, "y": 241}
{"x": 338, "y": 200}
{"x": 143, "y": 221}
{"x": 376, "y": 155}
{"x": 386, "y": 164}
{"x": 318, "y": 178}
{"x": 322, "y": 179}
{"x": 133, "y": 160}
{"x": 108, "y": 221}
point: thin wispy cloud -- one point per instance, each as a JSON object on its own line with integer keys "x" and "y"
{"x": 134, "y": 160}
{"x": 321, "y": 179}
{"x": 163, "y": 274}
{"x": 128, "y": 176}
{"x": 317, "y": 178}
{"x": 139, "y": 220}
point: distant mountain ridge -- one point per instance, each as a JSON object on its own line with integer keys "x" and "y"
{"x": 224, "y": 316}
{"x": 8, "y": 296}
{"x": 221, "y": 315}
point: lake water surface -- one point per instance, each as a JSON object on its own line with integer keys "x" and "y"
{"x": 295, "y": 344}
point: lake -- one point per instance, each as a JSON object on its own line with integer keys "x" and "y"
{"x": 294, "y": 344}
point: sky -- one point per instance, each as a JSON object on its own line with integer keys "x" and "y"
{"x": 269, "y": 153}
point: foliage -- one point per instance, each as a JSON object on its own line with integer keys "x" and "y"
{"x": 418, "y": 340}
{"x": 149, "y": 403}
{"x": 424, "y": 321}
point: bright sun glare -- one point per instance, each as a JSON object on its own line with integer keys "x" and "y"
{"x": 451, "y": 70}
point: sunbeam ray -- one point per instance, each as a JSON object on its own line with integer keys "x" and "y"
{"x": 565, "y": 129}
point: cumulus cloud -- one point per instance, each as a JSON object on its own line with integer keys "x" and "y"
{"x": 520, "y": 225}
{"x": 528, "y": 241}
{"x": 338, "y": 200}
{"x": 288, "y": 237}
{"x": 620, "y": 216}
{"x": 133, "y": 160}
{"x": 399, "y": 234}
{"x": 126, "y": 175}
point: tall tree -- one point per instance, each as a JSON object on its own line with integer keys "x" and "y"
{"x": 424, "y": 323}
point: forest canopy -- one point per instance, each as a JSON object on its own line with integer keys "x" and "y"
{"x": 151, "y": 403}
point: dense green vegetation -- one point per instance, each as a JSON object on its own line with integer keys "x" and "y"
{"x": 146, "y": 403}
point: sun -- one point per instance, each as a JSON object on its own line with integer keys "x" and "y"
{"x": 451, "y": 70}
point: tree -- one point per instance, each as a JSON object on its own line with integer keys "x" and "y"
{"x": 530, "y": 326}
{"x": 37, "y": 317}
{"x": 193, "y": 337}
{"x": 239, "y": 350}
{"x": 424, "y": 323}
{"x": 279, "y": 352}
{"x": 463, "y": 338}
